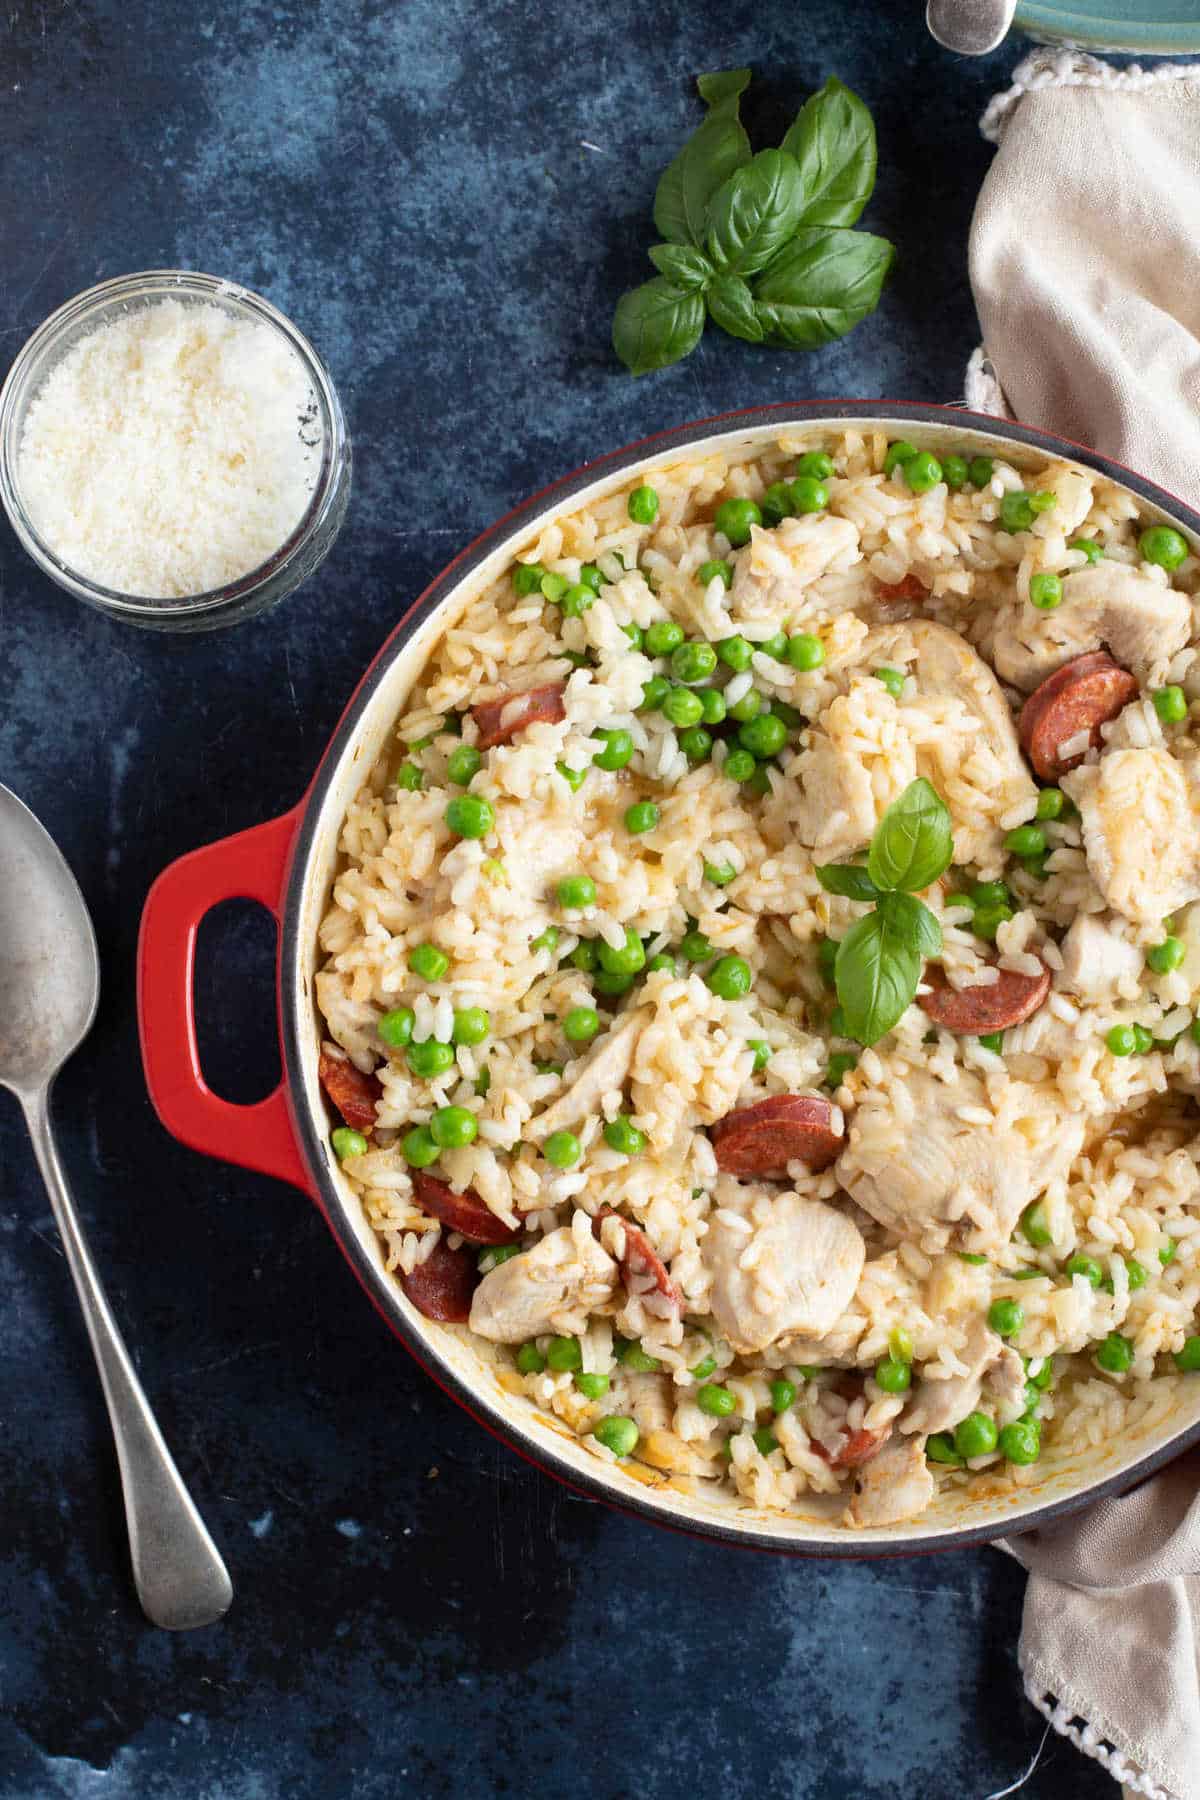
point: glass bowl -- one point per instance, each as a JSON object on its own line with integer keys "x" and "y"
{"x": 311, "y": 539}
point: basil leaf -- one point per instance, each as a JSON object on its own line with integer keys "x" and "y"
{"x": 755, "y": 212}
{"x": 849, "y": 879}
{"x": 656, "y": 324}
{"x": 685, "y": 267}
{"x": 713, "y": 152}
{"x": 912, "y": 923}
{"x": 876, "y": 975}
{"x": 913, "y": 842}
{"x": 833, "y": 142}
{"x": 820, "y": 285}
{"x": 731, "y": 305}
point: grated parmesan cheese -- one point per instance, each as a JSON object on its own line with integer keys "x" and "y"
{"x": 171, "y": 451}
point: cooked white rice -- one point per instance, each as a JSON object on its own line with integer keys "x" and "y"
{"x": 1111, "y": 1138}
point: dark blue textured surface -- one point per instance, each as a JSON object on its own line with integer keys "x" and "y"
{"x": 448, "y": 198}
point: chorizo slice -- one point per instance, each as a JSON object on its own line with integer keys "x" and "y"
{"x": 499, "y": 720}
{"x": 856, "y": 1448}
{"x": 641, "y": 1265}
{"x": 441, "y": 1287}
{"x": 976, "y": 1011}
{"x": 353, "y": 1093}
{"x": 464, "y": 1213}
{"x": 762, "y": 1139}
{"x": 1081, "y": 696}
{"x": 897, "y": 593}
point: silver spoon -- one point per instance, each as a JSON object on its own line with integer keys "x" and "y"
{"x": 49, "y": 986}
{"x": 972, "y": 27}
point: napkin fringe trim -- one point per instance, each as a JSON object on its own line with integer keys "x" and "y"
{"x": 1073, "y": 68}
{"x": 981, "y": 387}
{"x": 1072, "y": 1725}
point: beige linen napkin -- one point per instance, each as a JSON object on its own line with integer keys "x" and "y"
{"x": 1085, "y": 262}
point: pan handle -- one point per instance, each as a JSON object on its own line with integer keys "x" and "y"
{"x": 252, "y": 865}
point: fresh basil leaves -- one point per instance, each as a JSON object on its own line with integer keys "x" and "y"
{"x": 761, "y": 243}
{"x": 879, "y": 960}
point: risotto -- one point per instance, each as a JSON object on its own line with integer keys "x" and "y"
{"x": 760, "y": 983}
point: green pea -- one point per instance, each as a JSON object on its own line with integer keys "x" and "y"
{"x": 527, "y": 577}
{"x": 591, "y": 577}
{"x": 419, "y": 1148}
{"x": 1026, "y": 840}
{"x": 1163, "y": 545}
{"x": 765, "y": 1441}
{"x": 693, "y": 662}
{"x": 808, "y": 495}
{"x": 735, "y": 653}
{"x": 471, "y": 1025}
{"x": 696, "y": 744}
{"x": 703, "y": 1368}
{"x": 1018, "y": 511}
{"x": 606, "y": 982}
{"x": 1135, "y": 1275}
{"x": 763, "y": 736}
{"x": 760, "y": 781}
{"x": 695, "y": 947}
{"x": 1035, "y": 1225}
{"x": 494, "y": 1255}
{"x": 453, "y": 1126}
{"x": 898, "y": 454}
{"x": 1166, "y": 956}
{"x": 347, "y": 1142}
{"x": 893, "y": 681}
{"x": 748, "y": 707}
{"x": 940, "y": 1449}
{"x": 783, "y": 1394}
{"x": 1045, "y": 1375}
{"x": 1087, "y": 1266}
{"x": 1143, "y": 1040}
{"x": 712, "y": 706}
{"x": 574, "y": 891}
{"x": 574, "y": 778}
{"x": 1006, "y": 1317}
{"x": 617, "y": 749}
{"x": 971, "y": 1257}
{"x": 624, "y": 959}
{"x": 554, "y": 586}
{"x": 562, "y": 1149}
{"x": 720, "y": 874}
{"x": 483, "y": 1083}
{"x": 396, "y": 1027}
{"x": 739, "y": 765}
{"x": 980, "y": 470}
{"x": 716, "y": 1401}
{"x": 762, "y": 1053}
{"x": 892, "y": 1376}
{"x": 577, "y": 599}
{"x": 463, "y": 764}
{"x": 631, "y": 1356}
{"x": 1021, "y": 1442}
{"x": 777, "y": 502}
{"x": 735, "y": 518}
{"x": 530, "y": 1360}
{"x": 1170, "y": 703}
{"x": 922, "y": 472}
{"x": 1090, "y": 548}
{"x": 663, "y": 960}
{"x": 409, "y": 778}
{"x": 988, "y": 920}
{"x": 430, "y": 1058}
{"x": 564, "y": 1355}
{"x": 618, "y": 1434}
{"x": 654, "y": 692}
{"x": 1187, "y": 1360}
{"x": 581, "y": 1024}
{"x": 954, "y": 472}
{"x": 682, "y": 708}
{"x": 1115, "y": 1354}
{"x": 578, "y": 659}
{"x": 635, "y": 634}
{"x": 959, "y": 900}
{"x": 976, "y": 1435}
{"x": 623, "y": 1136}
{"x": 992, "y": 1040}
{"x": 469, "y": 816}
{"x": 776, "y": 646}
{"x": 1045, "y": 591}
{"x": 642, "y": 816}
{"x": 900, "y": 1344}
{"x": 1051, "y": 802}
{"x": 840, "y": 1065}
{"x": 663, "y": 637}
{"x": 642, "y": 505}
{"x": 717, "y": 570}
{"x": 1167, "y": 1253}
{"x": 427, "y": 961}
{"x": 730, "y": 978}
{"x": 805, "y": 652}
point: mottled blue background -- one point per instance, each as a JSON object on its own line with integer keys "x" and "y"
{"x": 448, "y": 197}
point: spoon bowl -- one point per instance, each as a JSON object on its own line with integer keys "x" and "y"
{"x": 49, "y": 989}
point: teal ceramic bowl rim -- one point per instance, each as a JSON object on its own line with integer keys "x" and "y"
{"x": 1123, "y": 25}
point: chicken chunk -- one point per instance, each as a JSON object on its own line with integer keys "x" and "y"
{"x": 1139, "y": 831}
{"x": 1105, "y": 606}
{"x": 793, "y": 1274}
{"x": 1097, "y": 962}
{"x": 552, "y": 1287}
{"x": 602, "y": 1071}
{"x": 936, "y": 1179}
{"x": 893, "y": 1486}
{"x": 776, "y": 567}
{"x": 939, "y": 1405}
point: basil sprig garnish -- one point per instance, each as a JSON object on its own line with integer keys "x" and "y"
{"x": 761, "y": 243}
{"x": 880, "y": 958}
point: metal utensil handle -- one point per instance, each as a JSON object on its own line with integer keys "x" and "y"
{"x": 180, "y": 1577}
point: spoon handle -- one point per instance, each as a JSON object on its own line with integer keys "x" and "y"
{"x": 177, "y": 1569}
